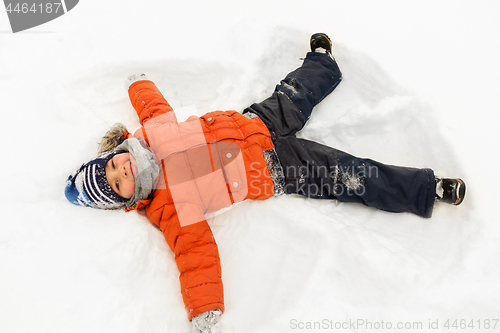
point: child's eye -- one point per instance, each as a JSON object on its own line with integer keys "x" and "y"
{"x": 113, "y": 164}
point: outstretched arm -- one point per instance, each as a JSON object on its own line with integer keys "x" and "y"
{"x": 196, "y": 256}
{"x": 147, "y": 99}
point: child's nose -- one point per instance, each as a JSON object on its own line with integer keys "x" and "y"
{"x": 124, "y": 172}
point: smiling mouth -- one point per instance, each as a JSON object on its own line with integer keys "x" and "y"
{"x": 133, "y": 167}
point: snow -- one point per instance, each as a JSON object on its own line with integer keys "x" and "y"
{"x": 420, "y": 88}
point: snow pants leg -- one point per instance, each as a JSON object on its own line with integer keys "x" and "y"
{"x": 291, "y": 104}
{"x": 318, "y": 171}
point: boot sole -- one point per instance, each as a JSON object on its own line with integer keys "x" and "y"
{"x": 461, "y": 193}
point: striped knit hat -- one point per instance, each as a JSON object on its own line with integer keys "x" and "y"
{"x": 89, "y": 187}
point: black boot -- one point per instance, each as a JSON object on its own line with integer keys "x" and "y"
{"x": 321, "y": 40}
{"x": 450, "y": 190}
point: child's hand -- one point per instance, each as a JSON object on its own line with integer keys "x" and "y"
{"x": 134, "y": 78}
{"x": 207, "y": 322}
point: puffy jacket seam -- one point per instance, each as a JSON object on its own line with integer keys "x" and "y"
{"x": 144, "y": 105}
{"x": 256, "y": 131}
{"x": 202, "y": 284}
{"x": 180, "y": 253}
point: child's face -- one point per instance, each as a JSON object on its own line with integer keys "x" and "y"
{"x": 120, "y": 175}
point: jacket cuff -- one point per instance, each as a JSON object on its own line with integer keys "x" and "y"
{"x": 205, "y": 308}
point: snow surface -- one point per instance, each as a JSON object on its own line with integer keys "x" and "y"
{"x": 421, "y": 88}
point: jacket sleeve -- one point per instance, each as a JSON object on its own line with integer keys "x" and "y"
{"x": 148, "y": 101}
{"x": 197, "y": 258}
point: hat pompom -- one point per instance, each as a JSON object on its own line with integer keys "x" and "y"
{"x": 74, "y": 189}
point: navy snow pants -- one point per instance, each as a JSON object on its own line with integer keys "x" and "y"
{"x": 318, "y": 171}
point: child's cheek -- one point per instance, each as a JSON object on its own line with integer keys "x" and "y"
{"x": 129, "y": 189}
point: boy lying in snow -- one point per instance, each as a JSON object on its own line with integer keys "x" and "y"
{"x": 180, "y": 173}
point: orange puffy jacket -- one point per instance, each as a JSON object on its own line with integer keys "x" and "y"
{"x": 206, "y": 163}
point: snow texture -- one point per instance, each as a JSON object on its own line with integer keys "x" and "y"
{"x": 420, "y": 88}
